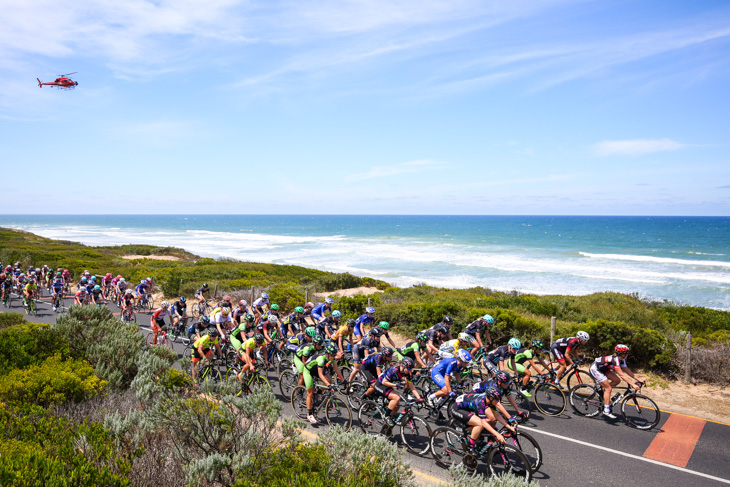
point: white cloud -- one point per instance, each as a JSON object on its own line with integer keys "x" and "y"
{"x": 635, "y": 147}
{"x": 405, "y": 167}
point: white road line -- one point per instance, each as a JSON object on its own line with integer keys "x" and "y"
{"x": 636, "y": 457}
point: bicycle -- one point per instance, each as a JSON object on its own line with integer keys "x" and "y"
{"x": 637, "y": 410}
{"x": 573, "y": 375}
{"x": 450, "y": 447}
{"x": 7, "y": 298}
{"x": 549, "y": 399}
{"x": 202, "y": 309}
{"x": 415, "y": 433}
{"x": 145, "y": 304}
{"x": 162, "y": 339}
{"x": 30, "y": 306}
{"x": 250, "y": 380}
{"x": 336, "y": 410}
{"x": 180, "y": 331}
{"x": 57, "y": 302}
{"x": 128, "y": 315}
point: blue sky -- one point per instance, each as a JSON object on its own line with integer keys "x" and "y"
{"x": 373, "y": 107}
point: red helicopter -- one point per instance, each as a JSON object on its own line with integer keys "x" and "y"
{"x": 63, "y": 82}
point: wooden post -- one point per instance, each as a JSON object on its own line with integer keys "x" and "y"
{"x": 306, "y": 295}
{"x": 553, "y": 328}
{"x": 688, "y": 369}
{"x": 252, "y": 296}
{"x": 369, "y": 301}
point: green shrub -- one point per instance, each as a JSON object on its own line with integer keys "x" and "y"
{"x": 29, "y": 344}
{"x": 52, "y": 382}
{"x": 10, "y": 319}
{"x": 461, "y": 477}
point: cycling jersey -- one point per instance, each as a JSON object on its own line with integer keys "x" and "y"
{"x": 560, "y": 347}
{"x": 369, "y": 342}
{"x": 394, "y": 375}
{"x": 178, "y": 308}
{"x": 205, "y": 341}
{"x": 160, "y": 313}
{"x": 251, "y": 344}
{"x": 202, "y": 290}
{"x": 362, "y": 320}
{"x": 608, "y": 362}
{"x": 296, "y": 322}
{"x": 409, "y": 348}
{"x": 31, "y": 287}
{"x": 319, "y": 361}
{"x": 219, "y": 319}
{"x": 96, "y": 295}
{"x": 482, "y": 386}
{"x": 475, "y": 403}
{"x": 140, "y": 289}
{"x": 239, "y": 313}
{"x": 373, "y": 361}
{"x": 342, "y": 331}
{"x": 57, "y": 285}
{"x": 475, "y": 327}
{"x": 499, "y": 354}
{"x": 319, "y": 310}
{"x": 260, "y": 302}
{"x": 293, "y": 343}
{"x": 450, "y": 349}
{"x": 442, "y": 369}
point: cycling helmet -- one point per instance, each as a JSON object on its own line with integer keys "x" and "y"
{"x": 108, "y": 274}
{"x": 205, "y": 320}
{"x": 440, "y": 328}
{"x": 97, "y": 288}
{"x": 465, "y": 337}
{"x": 58, "y": 274}
{"x": 121, "y": 279}
{"x": 421, "y": 337}
{"x": 225, "y": 311}
{"x": 328, "y": 300}
{"x": 336, "y": 314}
{"x": 464, "y": 356}
{"x": 330, "y": 348}
{"x": 83, "y": 279}
{"x": 311, "y": 331}
{"x": 213, "y": 333}
{"x": 149, "y": 279}
{"x": 274, "y": 307}
{"x": 537, "y": 343}
{"x": 620, "y": 349}
{"x": 119, "y": 276}
{"x": 370, "y": 310}
{"x": 514, "y": 343}
{"x": 384, "y": 325}
{"x": 182, "y": 299}
{"x": 264, "y": 295}
{"x": 351, "y": 323}
{"x": 250, "y": 318}
{"x": 309, "y": 304}
{"x": 93, "y": 278}
{"x": 86, "y": 271}
{"x": 273, "y": 320}
{"x": 488, "y": 319}
{"x": 258, "y": 338}
{"x": 377, "y": 332}
{"x": 205, "y": 285}
{"x": 583, "y": 336}
{"x": 408, "y": 363}
{"x": 242, "y": 303}
{"x": 225, "y": 304}
{"x": 165, "y": 304}
{"x": 502, "y": 376}
{"x": 493, "y": 393}
{"x": 226, "y": 299}
{"x": 143, "y": 281}
{"x": 387, "y": 352}
{"x": 317, "y": 340}
{"x": 299, "y": 309}
{"x": 447, "y": 320}
{"x": 128, "y": 291}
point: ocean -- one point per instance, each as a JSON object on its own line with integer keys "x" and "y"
{"x": 681, "y": 259}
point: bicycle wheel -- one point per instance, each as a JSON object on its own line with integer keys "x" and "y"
{"x": 549, "y": 399}
{"x": 415, "y": 433}
{"x": 288, "y": 380}
{"x": 523, "y": 404}
{"x": 299, "y": 402}
{"x": 371, "y": 418}
{"x": 150, "y": 303}
{"x": 150, "y": 336}
{"x": 257, "y": 381}
{"x": 640, "y": 412}
{"x": 210, "y": 375}
{"x": 196, "y": 311}
{"x": 585, "y": 401}
{"x": 337, "y": 412}
{"x": 448, "y": 447}
{"x": 284, "y": 364}
{"x": 577, "y": 377}
{"x": 356, "y": 395}
{"x": 508, "y": 459}
{"x": 129, "y": 316}
{"x": 529, "y": 447}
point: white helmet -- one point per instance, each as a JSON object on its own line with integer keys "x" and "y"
{"x": 165, "y": 304}
{"x": 273, "y": 320}
{"x": 583, "y": 336}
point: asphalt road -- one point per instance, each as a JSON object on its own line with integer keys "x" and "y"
{"x": 681, "y": 451}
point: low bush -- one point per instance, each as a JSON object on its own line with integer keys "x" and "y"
{"x": 10, "y": 319}
{"x": 52, "y": 382}
{"x": 28, "y": 344}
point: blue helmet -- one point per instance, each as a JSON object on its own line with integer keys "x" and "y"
{"x": 514, "y": 343}
{"x": 328, "y": 300}
{"x": 464, "y": 356}
{"x": 488, "y": 319}
{"x": 370, "y": 309}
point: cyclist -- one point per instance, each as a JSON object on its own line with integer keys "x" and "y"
{"x": 202, "y": 349}
{"x": 413, "y": 349}
{"x": 273, "y": 311}
{"x": 157, "y": 320}
{"x": 106, "y": 283}
{"x": 361, "y": 349}
{"x": 562, "y": 350}
{"x": 320, "y": 364}
{"x": 480, "y": 412}
{"x": 447, "y": 323}
{"x": 608, "y": 372}
{"x": 306, "y": 351}
{"x": 367, "y": 318}
{"x": 442, "y": 374}
{"x": 82, "y": 283}
{"x": 239, "y": 313}
{"x": 178, "y": 312}
{"x": 308, "y": 307}
{"x": 199, "y": 294}
{"x": 495, "y": 359}
{"x": 221, "y": 318}
{"x": 121, "y": 287}
{"x": 56, "y": 290}
{"x": 475, "y": 329}
{"x": 150, "y": 285}
{"x": 66, "y": 276}
{"x": 226, "y": 302}
{"x": 343, "y": 332}
{"x": 395, "y": 378}
{"x": 246, "y": 352}
{"x": 451, "y": 348}
{"x": 200, "y": 327}
{"x": 293, "y": 322}
{"x": 127, "y": 300}
{"x": 6, "y": 283}
{"x": 501, "y": 381}
{"x": 384, "y": 326}
{"x": 97, "y": 295}
{"x": 81, "y": 296}
{"x": 328, "y": 325}
{"x": 258, "y": 305}
{"x": 373, "y": 364}
{"x": 267, "y": 327}
{"x": 319, "y": 310}
{"x": 293, "y": 343}
{"x": 529, "y": 355}
{"x": 140, "y": 290}
{"x": 435, "y": 336}
{"x": 30, "y": 291}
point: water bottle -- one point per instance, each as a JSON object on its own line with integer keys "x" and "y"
{"x": 615, "y": 396}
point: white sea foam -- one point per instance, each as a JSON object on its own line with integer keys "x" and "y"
{"x": 659, "y": 260}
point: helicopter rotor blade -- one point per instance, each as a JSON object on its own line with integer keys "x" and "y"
{"x": 69, "y": 74}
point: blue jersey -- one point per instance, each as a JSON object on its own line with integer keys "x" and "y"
{"x": 446, "y": 366}
{"x": 320, "y": 310}
{"x": 476, "y": 403}
{"x": 364, "y": 319}
{"x": 373, "y": 360}
{"x": 141, "y": 288}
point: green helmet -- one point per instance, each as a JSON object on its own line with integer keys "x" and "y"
{"x": 537, "y": 343}
{"x": 299, "y": 309}
{"x": 311, "y": 331}
{"x": 249, "y": 318}
{"x": 384, "y": 325}
{"x": 274, "y": 306}
{"x": 317, "y": 339}
{"x": 421, "y": 337}
{"x": 330, "y": 348}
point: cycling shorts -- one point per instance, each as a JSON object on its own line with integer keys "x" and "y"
{"x": 308, "y": 379}
{"x": 461, "y": 415}
{"x": 597, "y": 374}
{"x": 520, "y": 368}
{"x": 299, "y": 364}
{"x": 491, "y": 366}
{"x": 358, "y": 354}
{"x": 555, "y": 350}
{"x": 357, "y": 331}
{"x": 438, "y": 379}
{"x": 369, "y": 375}
{"x": 382, "y": 389}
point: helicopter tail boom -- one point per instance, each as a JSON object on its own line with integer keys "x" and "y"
{"x": 40, "y": 85}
